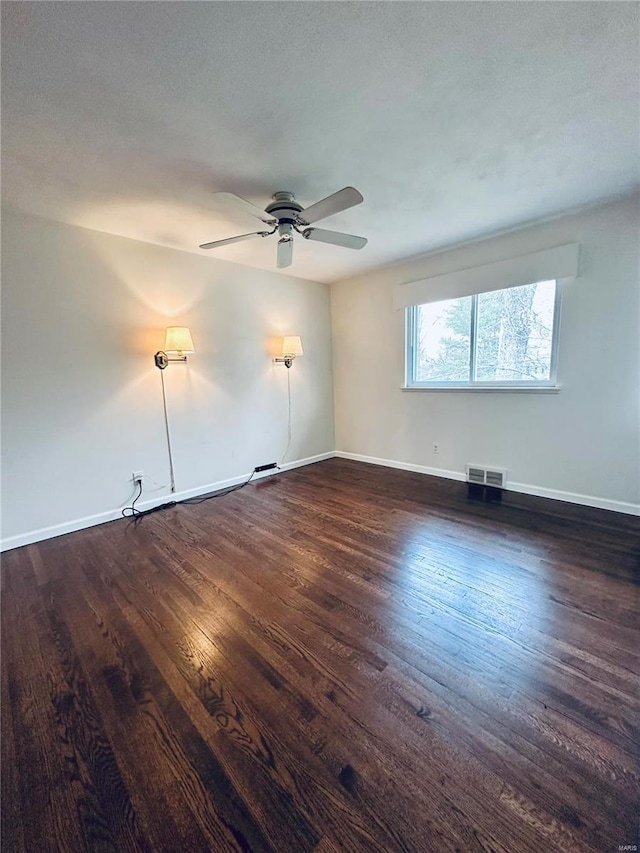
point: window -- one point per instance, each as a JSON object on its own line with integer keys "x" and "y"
{"x": 501, "y": 338}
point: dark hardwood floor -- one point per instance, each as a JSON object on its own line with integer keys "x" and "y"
{"x": 340, "y": 658}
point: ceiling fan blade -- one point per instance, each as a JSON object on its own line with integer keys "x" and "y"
{"x": 285, "y": 253}
{"x": 342, "y": 200}
{"x": 337, "y": 238}
{"x": 216, "y": 243}
{"x": 236, "y": 202}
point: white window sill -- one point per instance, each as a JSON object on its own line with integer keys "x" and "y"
{"x": 483, "y": 389}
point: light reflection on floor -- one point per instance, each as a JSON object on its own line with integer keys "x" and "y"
{"x": 482, "y": 608}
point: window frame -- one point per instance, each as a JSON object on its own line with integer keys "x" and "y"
{"x": 410, "y": 383}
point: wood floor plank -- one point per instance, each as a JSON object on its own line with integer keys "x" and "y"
{"x": 48, "y": 787}
{"x": 200, "y": 769}
{"x": 344, "y": 657}
{"x": 134, "y": 722}
{"x": 233, "y": 719}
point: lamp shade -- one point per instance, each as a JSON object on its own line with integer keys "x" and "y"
{"x": 178, "y": 339}
{"x": 292, "y": 345}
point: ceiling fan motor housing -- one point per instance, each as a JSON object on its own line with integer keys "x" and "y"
{"x": 284, "y": 208}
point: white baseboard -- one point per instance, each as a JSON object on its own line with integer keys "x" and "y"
{"x": 523, "y": 488}
{"x": 111, "y": 515}
{"x": 575, "y": 498}
{"x": 403, "y": 466}
{"x": 299, "y": 463}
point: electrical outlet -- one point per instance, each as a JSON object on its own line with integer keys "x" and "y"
{"x": 436, "y": 448}
{"x": 137, "y": 476}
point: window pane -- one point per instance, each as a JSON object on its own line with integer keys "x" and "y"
{"x": 443, "y": 341}
{"x": 514, "y": 333}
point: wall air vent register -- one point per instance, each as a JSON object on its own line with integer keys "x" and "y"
{"x": 482, "y": 476}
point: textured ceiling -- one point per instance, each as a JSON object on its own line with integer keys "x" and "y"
{"x": 455, "y": 120}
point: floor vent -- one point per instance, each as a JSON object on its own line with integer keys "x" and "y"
{"x": 495, "y": 477}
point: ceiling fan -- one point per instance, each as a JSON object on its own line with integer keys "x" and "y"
{"x": 285, "y": 216}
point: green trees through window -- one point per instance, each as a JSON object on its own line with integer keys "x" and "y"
{"x": 497, "y": 338}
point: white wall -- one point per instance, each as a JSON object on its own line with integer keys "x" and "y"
{"x": 82, "y": 315}
{"x": 582, "y": 444}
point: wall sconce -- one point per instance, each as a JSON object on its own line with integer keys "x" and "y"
{"x": 178, "y": 342}
{"x": 291, "y": 347}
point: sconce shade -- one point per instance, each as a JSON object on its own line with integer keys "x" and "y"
{"x": 292, "y": 345}
{"x": 178, "y": 339}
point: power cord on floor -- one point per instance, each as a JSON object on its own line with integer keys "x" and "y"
{"x": 220, "y": 494}
{"x": 136, "y": 514}
{"x": 131, "y": 511}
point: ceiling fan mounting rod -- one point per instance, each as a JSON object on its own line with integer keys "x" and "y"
{"x": 284, "y": 208}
